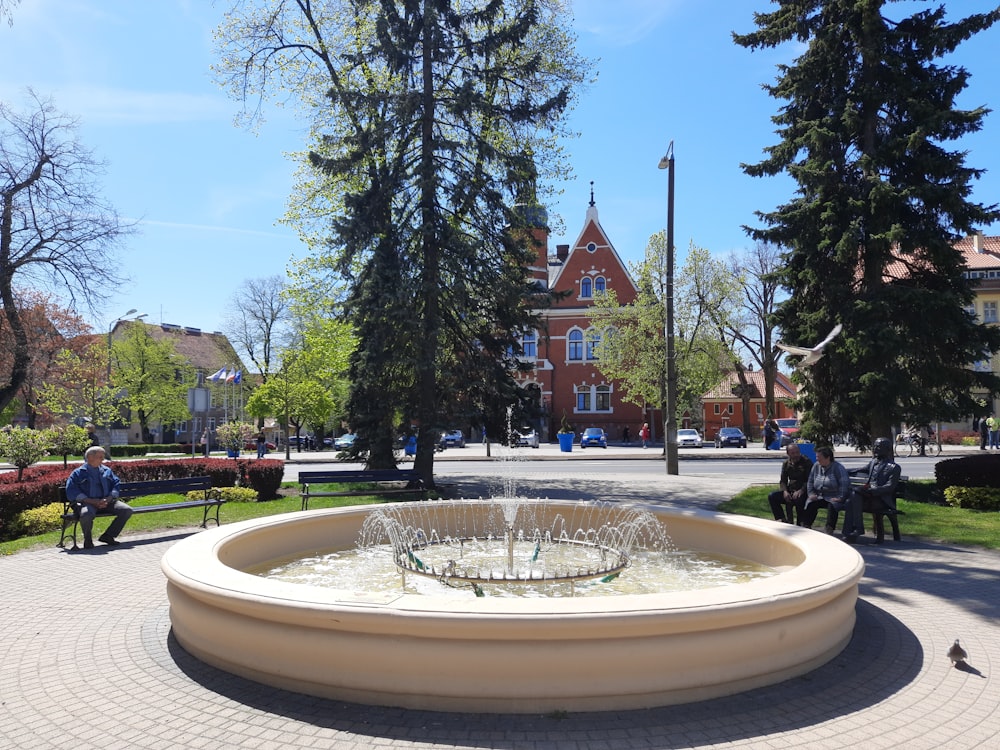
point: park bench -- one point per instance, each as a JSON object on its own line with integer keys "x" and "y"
{"x": 410, "y": 478}
{"x": 878, "y": 509}
{"x": 126, "y": 490}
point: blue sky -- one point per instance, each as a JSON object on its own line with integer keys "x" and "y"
{"x": 207, "y": 194}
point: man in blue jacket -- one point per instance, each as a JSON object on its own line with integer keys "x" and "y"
{"x": 93, "y": 488}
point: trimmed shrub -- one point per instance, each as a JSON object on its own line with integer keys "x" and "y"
{"x": 981, "y": 470}
{"x": 973, "y": 498}
{"x": 38, "y": 520}
{"x": 231, "y": 495}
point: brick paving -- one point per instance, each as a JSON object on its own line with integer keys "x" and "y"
{"x": 87, "y": 660}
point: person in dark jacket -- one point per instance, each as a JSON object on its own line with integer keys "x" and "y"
{"x": 882, "y": 474}
{"x": 792, "y": 495}
{"x": 93, "y": 488}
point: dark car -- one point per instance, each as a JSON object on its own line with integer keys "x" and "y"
{"x": 789, "y": 430}
{"x": 730, "y": 437}
{"x": 593, "y": 436}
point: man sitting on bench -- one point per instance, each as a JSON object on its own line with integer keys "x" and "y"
{"x": 883, "y": 477}
{"x": 792, "y": 495}
{"x": 94, "y": 488}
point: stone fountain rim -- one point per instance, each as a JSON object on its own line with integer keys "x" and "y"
{"x": 826, "y": 562}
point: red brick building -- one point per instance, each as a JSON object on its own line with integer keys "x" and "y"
{"x": 563, "y": 350}
{"x": 722, "y": 408}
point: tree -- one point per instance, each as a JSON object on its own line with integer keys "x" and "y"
{"x": 23, "y": 447}
{"x": 632, "y": 346}
{"x": 50, "y": 329}
{"x": 53, "y": 227}
{"x": 78, "y": 386}
{"x": 867, "y": 117}
{"x": 68, "y": 439}
{"x": 259, "y": 313}
{"x": 437, "y": 120}
{"x": 151, "y": 378}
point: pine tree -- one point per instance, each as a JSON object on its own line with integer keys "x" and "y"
{"x": 869, "y": 112}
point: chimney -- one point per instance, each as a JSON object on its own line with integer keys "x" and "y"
{"x": 977, "y": 243}
{"x": 562, "y": 252}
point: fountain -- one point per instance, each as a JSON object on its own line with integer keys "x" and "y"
{"x": 511, "y": 654}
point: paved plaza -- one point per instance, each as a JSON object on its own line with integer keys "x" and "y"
{"x": 87, "y": 660}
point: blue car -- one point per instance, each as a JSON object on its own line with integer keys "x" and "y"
{"x": 593, "y": 436}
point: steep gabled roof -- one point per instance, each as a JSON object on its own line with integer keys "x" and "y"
{"x": 579, "y": 256}
{"x": 784, "y": 389}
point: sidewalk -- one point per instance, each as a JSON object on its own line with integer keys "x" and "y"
{"x": 93, "y": 628}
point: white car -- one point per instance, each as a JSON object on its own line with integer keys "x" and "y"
{"x": 528, "y": 438}
{"x": 688, "y": 439}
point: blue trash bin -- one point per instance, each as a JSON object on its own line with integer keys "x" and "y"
{"x": 808, "y": 450}
{"x": 410, "y": 448}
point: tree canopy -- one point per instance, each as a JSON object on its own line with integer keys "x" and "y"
{"x": 431, "y": 120}
{"x": 868, "y": 113}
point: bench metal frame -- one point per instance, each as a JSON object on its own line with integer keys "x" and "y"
{"x": 414, "y": 484}
{"x": 127, "y": 490}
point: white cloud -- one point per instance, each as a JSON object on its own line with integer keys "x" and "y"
{"x": 621, "y": 22}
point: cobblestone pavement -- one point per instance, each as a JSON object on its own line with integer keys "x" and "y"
{"x": 87, "y": 661}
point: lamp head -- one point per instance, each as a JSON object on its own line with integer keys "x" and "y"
{"x": 668, "y": 158}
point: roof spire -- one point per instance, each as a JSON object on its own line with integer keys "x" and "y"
{"x": 591, "y": 192}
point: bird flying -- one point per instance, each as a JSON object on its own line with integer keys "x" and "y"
{"x": 957, "y": 654}
{"x": 811, "y": 356}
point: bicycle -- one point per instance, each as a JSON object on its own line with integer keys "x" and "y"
{"x": 911, "y": 444}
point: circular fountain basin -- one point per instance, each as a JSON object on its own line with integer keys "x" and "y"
{"x": 506, "y": 655}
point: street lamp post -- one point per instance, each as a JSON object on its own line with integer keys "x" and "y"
{"x": 670, "y": 416}
{"x": 111, "y": 329}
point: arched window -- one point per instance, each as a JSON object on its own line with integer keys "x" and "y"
{"x": 600, "y": 285}
{"x": 583, "y": 398}
{"x": 586, "y": 287}
{"x": 575, "y": 348}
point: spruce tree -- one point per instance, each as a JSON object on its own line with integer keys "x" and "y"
{"x": 437, "y": 117}
{"x": 867, "y": 126}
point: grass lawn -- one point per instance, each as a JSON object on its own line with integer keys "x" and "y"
{"x": 921, "y": 518}
{"x": 177, "y": 519}
{"x": 938, "y": 523}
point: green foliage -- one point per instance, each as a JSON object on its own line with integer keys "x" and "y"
{"x": 153, "y": 379}
{"x": 23, "y": 447}
{"x": 234, "y": 435}
{"x": 973, "y": 498}
{"x": 980, "y": 470}
{"x": 632, "y": 348}
{"x": 230, "y": 494}
{"x": 67, "y": 440}
{"x": 866, "y": 117}
{"x": 38, "y": 520}
{"x": 430, "y": 125}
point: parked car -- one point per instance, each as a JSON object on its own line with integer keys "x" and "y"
{"x": 730, "y": 437}
{"x": 344, "y": 442}
{"x": 688, "y": 439}
{"x": 789, "y": 430}
{"x": 251, "y": 445}
{"x": 453, "y": 439}
{"x": 593, "y": 436}
{"x": 527, "y": 437}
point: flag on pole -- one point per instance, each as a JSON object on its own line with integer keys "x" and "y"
{"x": 220, "y": 375}
{"x": 238, "y": 378}
{"x": 231, "y": 377}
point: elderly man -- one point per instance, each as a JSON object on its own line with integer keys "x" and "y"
{"x": 792, "y": 495}
{"x": 93, "y": 488}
